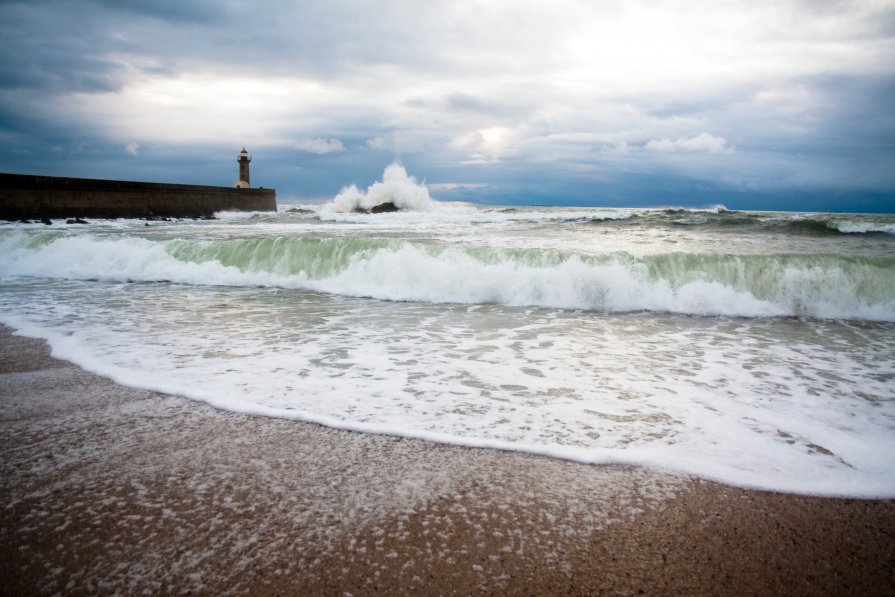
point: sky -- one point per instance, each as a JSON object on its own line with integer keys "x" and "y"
{"x": 752, "y": 104}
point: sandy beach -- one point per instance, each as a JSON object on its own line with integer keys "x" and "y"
{"x": 107, "y": 489}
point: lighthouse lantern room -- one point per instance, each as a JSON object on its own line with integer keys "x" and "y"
{"x": 244, "y": 159}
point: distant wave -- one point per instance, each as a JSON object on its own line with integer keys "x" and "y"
{"x": 470, "y": 215}
{"x": 859, "y": 227}
{"x": 810, "y": 226}
{"x": 823, "y": 286}
{"x": 813, "y": 224}
{"x": 714, "y": 209}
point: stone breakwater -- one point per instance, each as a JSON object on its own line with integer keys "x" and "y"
{"x": 27, "y": 197}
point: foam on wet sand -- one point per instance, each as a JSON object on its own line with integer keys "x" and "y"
{"x": 110, "y": 489}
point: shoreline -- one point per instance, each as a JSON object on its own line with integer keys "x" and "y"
{"x": 111, "y": 489}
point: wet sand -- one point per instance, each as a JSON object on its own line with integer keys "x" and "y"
{"x": 108, "y": 489}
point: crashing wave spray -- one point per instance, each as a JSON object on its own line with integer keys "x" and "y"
{"x": 397, "y": 187}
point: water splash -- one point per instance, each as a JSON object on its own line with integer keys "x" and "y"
{"x": 397, "y": 187}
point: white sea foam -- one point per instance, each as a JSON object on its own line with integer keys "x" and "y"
{"x": 722, "y": 399}
{"x": 239, "y": 215}
{"x": 522, "y": 334}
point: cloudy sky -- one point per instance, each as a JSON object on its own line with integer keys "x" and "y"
{"x": 779, "y": 104}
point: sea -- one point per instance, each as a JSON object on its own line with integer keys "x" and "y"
{"x": 751, "y": 348}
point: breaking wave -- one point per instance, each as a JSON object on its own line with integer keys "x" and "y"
{"x": 821, "y": 286}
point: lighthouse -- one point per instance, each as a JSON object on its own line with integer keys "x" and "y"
{"x": 244, "y": 158}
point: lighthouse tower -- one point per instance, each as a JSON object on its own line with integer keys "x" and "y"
{"x": 244, "y": 158}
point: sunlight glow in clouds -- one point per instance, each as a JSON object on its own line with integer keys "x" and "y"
{"x": 486, "y": 145}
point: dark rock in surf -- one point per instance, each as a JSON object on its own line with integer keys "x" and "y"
{"x": 382, "y": 208}
{"x": 386, "y": 207}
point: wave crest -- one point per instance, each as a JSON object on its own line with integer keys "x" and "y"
{"x": 823, "y": 286}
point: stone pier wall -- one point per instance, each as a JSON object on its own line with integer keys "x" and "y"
{"x": 36, "y": 197}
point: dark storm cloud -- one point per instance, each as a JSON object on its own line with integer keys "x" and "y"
{"x": 201, "y": 11}
{"x": 50, "y": 49}
{"x": 574, "y": 100}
